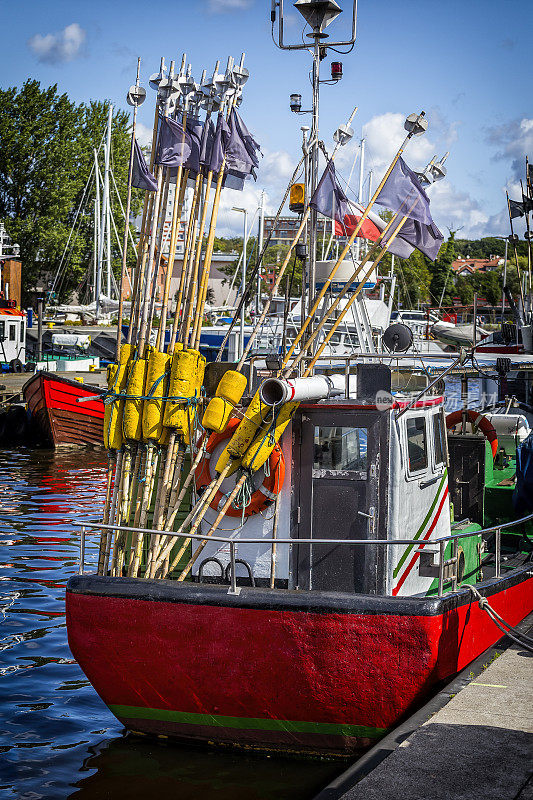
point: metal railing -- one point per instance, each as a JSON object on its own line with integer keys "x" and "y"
{"x": 440, "y": 570}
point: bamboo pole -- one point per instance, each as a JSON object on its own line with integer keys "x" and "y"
{"x": 344, "y": 291}
{"x": 127, "y": 220}
{"x": 321, "y": 294}
{"x": 231, "y": 497}
{"x": 197, "y": 513}
{"x": 194, "y": 279}
{"x": 106, "y": 534}
{"x": 353, "y": 298}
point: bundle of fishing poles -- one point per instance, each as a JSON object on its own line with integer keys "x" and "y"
{"x": 159, "y": 425}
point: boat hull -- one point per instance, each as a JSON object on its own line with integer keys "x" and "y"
{"x": 57, "y": 416}
{"x": 309, "y": 673}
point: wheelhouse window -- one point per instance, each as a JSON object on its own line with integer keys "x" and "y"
{"x": 416, "y": 443}
{"x": 438, "y": 439}
{"x": 340, "y": 449}
{"x": 12, "y": 333}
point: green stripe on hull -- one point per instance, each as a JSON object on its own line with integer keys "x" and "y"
{"x": 407, "y": 550}
{"x": 246, "y": 723}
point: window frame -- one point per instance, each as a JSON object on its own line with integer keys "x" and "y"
{"x": 439, "y": 466}
{"x": 418, "y": 473}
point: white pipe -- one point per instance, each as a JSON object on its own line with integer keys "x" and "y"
{"x": 275, "y": 391}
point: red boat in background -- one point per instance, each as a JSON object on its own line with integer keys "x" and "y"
{"x": 56, "y": 414}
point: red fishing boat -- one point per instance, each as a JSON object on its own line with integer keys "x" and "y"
{"x": 58, "y": 416}
{"x": 323, "y": 648}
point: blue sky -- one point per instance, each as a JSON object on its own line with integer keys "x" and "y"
{"x": 467, "y": 64}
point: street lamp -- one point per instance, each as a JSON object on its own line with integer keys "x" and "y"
{"x": 243, "y": 279}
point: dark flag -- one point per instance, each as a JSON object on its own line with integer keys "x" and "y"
{"x": 206, "y": 144}
{"x": 195, "y": 129}
{"x": 216, "y": 154}
{"x": 426, "y": 238}
{"x": 403, "y": 193}
{"x": 141, "y": 177}
{"x": 241, "y": 153}
{"x": 330, "y": 200}
{"x": 516, "y": 209}
{"x": 174, "y": 145}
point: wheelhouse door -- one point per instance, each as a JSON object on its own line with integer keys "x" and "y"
{"x": 338, "y": 500}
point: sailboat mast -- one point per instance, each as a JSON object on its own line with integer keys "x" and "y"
{"x": 360, "y": 190}
{"x": 107, "y": 199}
{"x": 98, "y": 237}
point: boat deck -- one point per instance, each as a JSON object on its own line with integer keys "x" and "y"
{"x": 478, "y": 745}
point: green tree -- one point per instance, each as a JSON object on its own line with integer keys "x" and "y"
{"x": 441, "y": 286}
{"x": 46, "y": 155}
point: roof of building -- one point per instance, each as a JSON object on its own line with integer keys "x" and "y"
{"x": 472, "y": 265}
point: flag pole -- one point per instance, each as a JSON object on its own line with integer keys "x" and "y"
{"x": 516, "y": 256}
{"x": 202, "y": 292}
{"x": 524, "y": 201}
{"x": 349, "y": 243}
{"x": 135, "y": 101}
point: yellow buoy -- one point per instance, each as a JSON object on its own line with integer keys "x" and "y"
{"x": 256, "y": 413}
{"x": 230, "y": 389}
{"x": 133, "y": 406}
{"x": 261, "y": 448}
{"x": 117, "y": 377}
{"x": 152, "y": 415}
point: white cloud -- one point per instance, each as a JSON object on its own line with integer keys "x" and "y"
{"x": 515, "y": 141}
{"x": 143, "y": 134}
{"x": 222, "y": 6}
{"x": 60, "y": 47}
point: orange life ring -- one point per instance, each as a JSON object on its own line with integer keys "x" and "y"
{"x": 263, "y": 496}
{"x": 478, "y": 421}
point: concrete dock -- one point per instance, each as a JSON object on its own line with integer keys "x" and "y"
{"x": 477, "y": 746}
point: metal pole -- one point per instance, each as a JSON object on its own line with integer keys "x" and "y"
{"x": 504, "y": 275}
{"x": 442, "y": 546}
{"x": 39, "y": 328}
{"x": 99, "y": 238}
{"x": 474, "y": 330}
{"x": 314, "y": 171}
{"x": 498, "y": 553}
{"x": 360, "y": 192}
{"x": 107, "y": 198}
{"x": 82, "y": 550}
{"x": 260, "y": 236}
{"x": 243, "y": 283}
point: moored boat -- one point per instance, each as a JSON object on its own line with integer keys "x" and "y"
{"x": 352, "y": 636}
{"x": 58, "y": 416}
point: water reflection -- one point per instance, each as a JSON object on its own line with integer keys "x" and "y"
{"x": 57, "y": 738}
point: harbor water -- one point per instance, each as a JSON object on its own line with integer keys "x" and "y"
{"x": 57, "y": 738}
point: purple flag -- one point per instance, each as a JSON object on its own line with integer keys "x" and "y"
{"x": 195, "y": 130}
{"x": 403, "y": 193}
{"x": 174, "y": 145}
{"x": 141, "y": 177}
{"x": 240, "y": 149}
{"x": 426, "y": 238}
{"x": 330, "y": 200}
{"x": 216, "y": 155}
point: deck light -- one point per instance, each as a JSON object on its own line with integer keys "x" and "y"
{"x": 296, "y": 103}
{"x": 336, "y": 70}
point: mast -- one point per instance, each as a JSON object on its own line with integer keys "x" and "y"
{"x": 318, "y": 14}
{"x": 360, "y": 190}
{"x": 98, "y": 237}
{"x": 104, "y": 219}
{"x": 260, "y": 236}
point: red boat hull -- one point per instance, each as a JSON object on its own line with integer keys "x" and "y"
{"x": 58, "y": 417}
{"x": 301, "y": 672}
